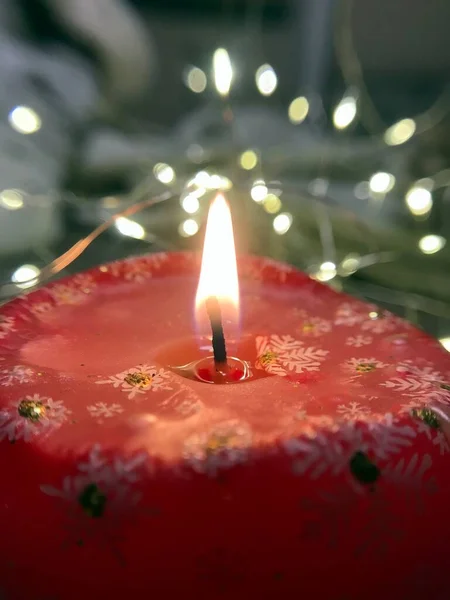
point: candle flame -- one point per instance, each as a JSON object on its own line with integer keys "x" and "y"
{"x": 218, "y": 275}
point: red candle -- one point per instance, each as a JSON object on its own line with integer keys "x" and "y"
{"x": 324, "y": 472}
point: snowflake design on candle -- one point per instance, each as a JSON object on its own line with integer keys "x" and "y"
{"x": 16, "y": 375}
{"x": 353, "y": 411}
{"x": 223, "y": 446}
{"x": 41, "y": 309}
{"x": 312, "y": 326}
{"x": 361, "y": 366}
{"x": 358, "y": 341}
{"x": 7, "y": 324}
{"x": 101, "y": 411}
{"x": 73, "y": 292}
{"x": 281, "y": 354}
{"x": 421, "y": 383}
{"x": 350, "y": 314}
{"x": 102, "y": 487}
{"x": 139, "y": 380}
{"x": 30, "y": 416}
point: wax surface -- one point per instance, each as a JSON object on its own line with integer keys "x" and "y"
{"x": 120, "y": 470}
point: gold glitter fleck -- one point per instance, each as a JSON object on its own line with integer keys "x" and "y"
{"x": 32, "y": 410}
{"x": 267, "y": 358}
{"x": 217, "y": 442}
{"x": 104, "y": 269}
{"x": 139, "y": 379}
{"x": 373, "y": 315}
{"x": 365, "y": 367}
{"x": 308, "y": 328}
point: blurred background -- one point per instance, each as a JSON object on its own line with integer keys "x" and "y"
{"x": 326, "y": 122}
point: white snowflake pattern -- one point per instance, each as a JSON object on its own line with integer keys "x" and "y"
{"x": 139, "y": 380}
{"x": 322, "y": 453}
{"x": 421, "y": 383}
{"x": 223, "y": 446}
{"x": 138, "y": 270}
{"x": 41, "y": 309}
{"x": 113, "y": 477}
{"x": 31, "y": 416}
{"x": 101, "y": 410}
{"x": 358, "y": 341}
{"x": 436, "y": 436}
{"x": 389, "y": 436}
{"x": 7, "y": 324}
{"x": 311, "y": 325}
{"x": 282, "y": 269}
{"x": 349, "y": 314}
{"x": 16, "y": 375}
{"x": 280, "y": 355}
{"x": 382, "y": 324}
{"x": 74, "y": 291}
{"x": 361, "y": 366}
{"x": 353, "y": 411}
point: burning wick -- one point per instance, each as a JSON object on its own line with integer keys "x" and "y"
{"x": 218, "y": 338}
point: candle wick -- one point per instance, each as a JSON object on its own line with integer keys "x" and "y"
{"x": 218, "y": 337}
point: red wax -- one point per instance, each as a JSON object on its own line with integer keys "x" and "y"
{"x": 123, "y": 475}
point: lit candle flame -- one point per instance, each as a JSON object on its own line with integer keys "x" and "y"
{"x": 218, "y": 275}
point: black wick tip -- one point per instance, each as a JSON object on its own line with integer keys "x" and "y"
{"x": 218, "y": 338}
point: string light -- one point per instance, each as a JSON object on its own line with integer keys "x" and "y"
{"x": 430, "y": 244}
{"x": 11, "y": 199}
{"x": 345, "y": 112}
{"x": 298, "y": 110}
{"x": 381, "y": 182}
{"x": 24, "y": 120}
{"x": 259, "y": 191}
{"x": 326, "y": 271}
{"x": 26, "y": 276}
{"x": 419, "y": 200}
{"x": 318, "y": 186}
{"x": 282, "y": 223}
{"x": 195, "y": 80}
{"x": 248, "y": 160}
{"x": 445, "y": 342}
{"x": 190, "y": 204}
{"x": 130, "y": 228}
{"x": 400, "y": 132}
{"x": 223, "y": 71}
{"x": 271, "y": 204}
{"x": 164, "y": 173}
{"x": 266, "y": 80}
{"x": 188, "y": 228}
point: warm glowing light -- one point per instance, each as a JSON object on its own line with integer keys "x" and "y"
{"x": 11, "y": 199}
{"x": 266, "y": 80}
{"x": 188, "y": 228}
{"x": 282, "y": 223}
{"x": 24, "y": 120}
{"x": 248, "y": 160}
{"x": 345, "y": 112}
{"x": 419, "y": 200}
{"x": 164, "y": 173}
{"x": 350, "y": 264}
{"x": 130, "y": 228}
{"x": 430, "y": 244}
{"x": 298, "y": 110}
{"x": 445, "y": 342}
{"x": 271, "y": 204}
{"x": 223, "y": 71}
{"x": 259, "y": 191}
{"x": 190, "y": 204}
{"x": 195, "y": 79}
{"x": 218, "y": 275}
{"x": 400, "y": 132}
{"x": 201, "y": 179}
{"x": 26, "y": 276}
{"x": 326, "y": 271}
{"x": 381, "y": 182}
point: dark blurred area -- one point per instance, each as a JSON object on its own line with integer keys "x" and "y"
{"x": 325, "y": 121}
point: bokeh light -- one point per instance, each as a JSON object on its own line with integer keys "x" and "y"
{"x": 419, "y": 200}
{"x": 130, "y": 228}
{"x": 400, "y": 132}
{"x": 26, "y": 276}
{"x": 326, "y": 271}
{"x": 223, "y": 71}
{"x": 430, "y": 244}
{"x": 195, "y": 80}
{"x": 271, "y": 204}
{"x": 190, "y": 204}
{"x": 11, "y": 199}
{"x": 381, "y": 182}
{"x": 24, "y": 120}
{"x": 298, "y": 110}
{"x": 282, "y": 223}
{"x": 248, "y": 160}
{"x": 164, "y": 173}
{"x": 266, "y": 80}
{"x": 188, "y": 228}
{"x": 259, "y": 191}
{"x": 345, "y": 112}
